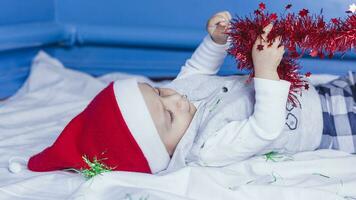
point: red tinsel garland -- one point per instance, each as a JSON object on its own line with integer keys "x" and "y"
{"x": 300, "y": 32}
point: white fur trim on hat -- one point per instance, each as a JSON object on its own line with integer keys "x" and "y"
{"x": 138, "y": 119}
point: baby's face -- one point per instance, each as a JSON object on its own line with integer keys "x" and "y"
{"x": 170, "y": 111}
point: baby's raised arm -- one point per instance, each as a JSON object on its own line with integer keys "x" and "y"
{"x": 211, "y": 53}
{"x": 241, "y": 139}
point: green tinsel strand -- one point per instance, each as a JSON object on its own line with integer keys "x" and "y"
{"x": 95, "y": 168}
{"x": 277, "y": 157}
{"x": 272, "y": 156}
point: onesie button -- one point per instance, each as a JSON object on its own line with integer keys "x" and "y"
{"x": 224, "y": 89}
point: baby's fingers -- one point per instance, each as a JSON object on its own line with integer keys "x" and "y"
{"x": 219, "y": 21}
{"x": 266, "y": 31}
{"x": 277, "y": 43}
{"x": 226, "y": 15}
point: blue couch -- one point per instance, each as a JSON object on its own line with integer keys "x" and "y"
{"x": 151, "y": 38}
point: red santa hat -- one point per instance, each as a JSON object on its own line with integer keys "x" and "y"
{"x": 116, "y": 128}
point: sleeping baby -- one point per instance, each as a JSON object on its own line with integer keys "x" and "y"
{"x": 203, "y": 119}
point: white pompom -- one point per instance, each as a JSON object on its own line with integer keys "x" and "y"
{"x": 15, "y": 167}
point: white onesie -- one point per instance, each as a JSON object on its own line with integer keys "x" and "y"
{"x": 236, "y": 120}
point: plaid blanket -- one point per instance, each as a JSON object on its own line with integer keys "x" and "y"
{"x": 338, "y": 99}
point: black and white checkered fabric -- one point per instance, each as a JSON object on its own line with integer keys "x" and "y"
{"x": 339, "y": 113}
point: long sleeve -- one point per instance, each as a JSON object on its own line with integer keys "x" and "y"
{"x": 239, "y": 140}
{"x": 206, "y": 59}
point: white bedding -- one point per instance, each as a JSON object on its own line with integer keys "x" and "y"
{"x": 32, "y": 119}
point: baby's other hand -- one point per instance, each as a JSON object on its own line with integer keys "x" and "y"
{"x": 217, "y": 26}
{"x": 266, "y": 58}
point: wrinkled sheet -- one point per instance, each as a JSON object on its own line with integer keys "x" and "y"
{"x": 52, "y": 95}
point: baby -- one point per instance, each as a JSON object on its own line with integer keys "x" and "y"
{"x": 235, "y": 120}
{"x": 202, "y": 118}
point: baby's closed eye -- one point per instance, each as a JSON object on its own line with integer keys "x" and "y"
{"x": 171, "y": 115}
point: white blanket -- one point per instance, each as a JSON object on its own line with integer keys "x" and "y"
{"x": 52, "y": 95}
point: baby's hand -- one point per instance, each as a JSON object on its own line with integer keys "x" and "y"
{"x": 217, "y": 26}
{"x": 267, "y": 60}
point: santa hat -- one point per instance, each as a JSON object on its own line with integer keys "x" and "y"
{"x": 115, "y": 128}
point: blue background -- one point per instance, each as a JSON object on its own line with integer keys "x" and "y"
{"x": 151, "y": 37}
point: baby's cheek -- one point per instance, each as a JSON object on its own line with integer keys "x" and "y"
{"x": 181, "y": 121}
{"x": 180, "y": 125}
{"x": 187, "y": 119}
{"x": 177, "y": 131}
{"x": 172, "y": 141}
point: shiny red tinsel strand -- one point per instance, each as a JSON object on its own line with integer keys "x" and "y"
{"x": 300, "y": 33}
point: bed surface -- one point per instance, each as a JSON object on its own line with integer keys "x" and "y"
{"x": 32, "y": 119}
